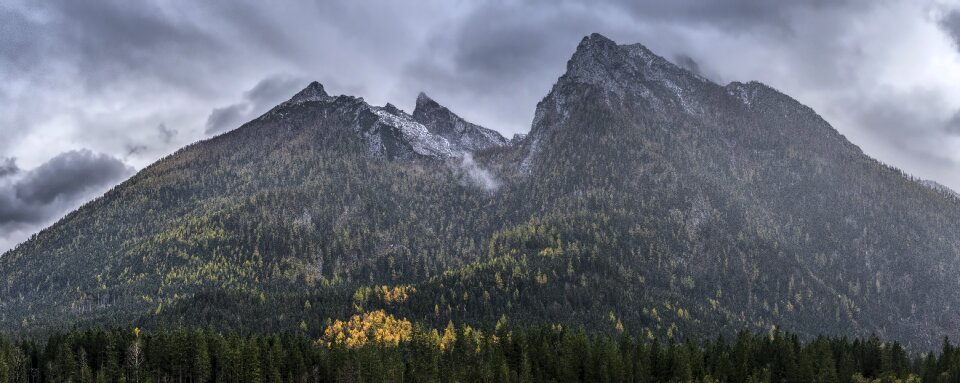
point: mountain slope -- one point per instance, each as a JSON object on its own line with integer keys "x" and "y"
{"x": 940, "y": 188}
{"x": 765, "y": 207}
{"x": 441, "y": 121}
{"x": 319, "y": 191}
{"x": 645, "y": 199}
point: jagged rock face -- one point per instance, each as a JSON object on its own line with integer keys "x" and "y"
{"x": 618, "y": 77}
{"x": 433, "y": 130}
{"x": 387, "y": 131}
{"x": 441, "y": 121}
{"x": 631, "y": 79}
{"x": 313, "y": 92}
{"x": 633, "y": 75}
{"x": 393, "y": 134}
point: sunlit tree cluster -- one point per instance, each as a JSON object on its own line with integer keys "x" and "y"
{"x": 370, "y": 327}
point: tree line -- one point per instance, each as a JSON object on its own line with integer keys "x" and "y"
{"x": 465, "y": 354}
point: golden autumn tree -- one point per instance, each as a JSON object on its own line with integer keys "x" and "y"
{"x": 376, "y": 327}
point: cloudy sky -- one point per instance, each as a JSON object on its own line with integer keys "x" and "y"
{"x": 91, "y": 91}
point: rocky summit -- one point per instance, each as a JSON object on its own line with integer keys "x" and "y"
{"x": 441, "y": 121}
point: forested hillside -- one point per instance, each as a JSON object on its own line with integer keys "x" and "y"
{"x": 645, "y": 200}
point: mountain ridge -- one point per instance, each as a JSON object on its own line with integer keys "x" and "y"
{"x": 441, "y": 121}
{"x": 432, "y": 130}
{"x": 643, "y": 193}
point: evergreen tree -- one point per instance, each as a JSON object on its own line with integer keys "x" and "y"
{"x": 63, "y": 367}
{"x": 6, "y": 374}
{"x": 250, "y": 361}
{"x": 200, "y": 366}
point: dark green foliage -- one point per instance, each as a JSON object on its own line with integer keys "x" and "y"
{"x": 547, "y": 354}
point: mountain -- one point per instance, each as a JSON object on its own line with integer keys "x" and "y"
{"x": 442, "y": 122}
{"x": 645, "y": 199}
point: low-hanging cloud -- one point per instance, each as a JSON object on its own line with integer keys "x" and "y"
{"x": 477, "y": 175}
{"x": 688, "y": 63}
{"x": 226, "y": 118}
{"x": 69, "y": 175}
{"x": 34, "y": 198}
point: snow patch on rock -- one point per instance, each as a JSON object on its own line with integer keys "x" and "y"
{"x": 417, "y": 135}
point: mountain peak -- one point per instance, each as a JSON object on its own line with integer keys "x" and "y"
{"x": 313, "y": 92}
{"x": 599, "y": 48}
{"x": 600, "y": 61}
{"x": 423, "y": 98}
{"x": 594, "y": 40}
{"x": 425, "y": 104}
{"x": 621, "y": 72}
{"x": 441, "y": 121}
{"x": 392, "y": 109}
{"x": 591, "y": 50}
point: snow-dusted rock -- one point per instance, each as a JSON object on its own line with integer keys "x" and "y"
{"x": 462, "y": 134}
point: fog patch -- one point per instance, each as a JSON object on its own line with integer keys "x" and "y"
{"x": 688, "y": 63}
{"x": 477, "y": 175}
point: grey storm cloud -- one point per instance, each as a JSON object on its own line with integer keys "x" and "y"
{"x": 912, "y": 128}
{"x": 8, "y": 166}
{"x": 225, "y": 118}
{"x": 103, "y": 39}
{"x": 34, "y": 198}
{"x": 267, "y": 93}
{"x": 68, "y": 176}
{"x": 734, "y": 15}
{"x": 951, "y": 24}
{"x": 137, "y": 80}
{"x": 502, "y": 57}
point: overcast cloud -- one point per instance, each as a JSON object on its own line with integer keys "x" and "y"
{"x": 265, "y": 95}
{"x": 134, "y": 81}
{"x": 35, "y": 198}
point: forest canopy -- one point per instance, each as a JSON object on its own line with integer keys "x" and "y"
{"x": 393, "y": 350}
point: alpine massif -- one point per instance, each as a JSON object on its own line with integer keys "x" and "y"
{"x": 645, "y": 199}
